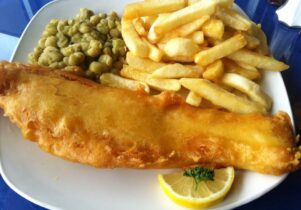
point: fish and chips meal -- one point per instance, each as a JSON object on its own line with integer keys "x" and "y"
{"x": 179, "y": 88}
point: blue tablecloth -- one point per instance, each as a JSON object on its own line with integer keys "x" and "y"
{"x": 288, "y": 193}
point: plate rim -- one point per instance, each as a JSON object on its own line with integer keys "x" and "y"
{"x": 51, "y": 206}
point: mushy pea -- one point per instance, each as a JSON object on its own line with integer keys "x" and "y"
{"x": 90, "y": 44}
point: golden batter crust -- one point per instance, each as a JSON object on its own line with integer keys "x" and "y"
{"x": 85, "y": 122}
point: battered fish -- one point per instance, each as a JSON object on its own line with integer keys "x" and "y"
{"x": 82, "y": 121}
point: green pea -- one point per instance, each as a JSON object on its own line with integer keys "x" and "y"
{"x": 115, "y": 33}
{"x": 76, "y": 59}
{"x": 37, "y": 51}
{"x": 71, "y": 22}
{"x": 84, "y": 46}
{"x": 95, "y": 19}
{"x": 73, "y": 30}
{"x": 95, "y": 43}
{"x": 41, "y": 42}
{"x": 102, "y": 15}
{"x": 103, "y": 28}
{"x": 66, "y": 30}
{"x": 71, "y": 68}
{"x": 95, "y": 34}
{"x": 49, "y": 56}
{"x": 118, "y": 25}
{"x": 53, "y": 65}
{"x": 89, "y": 74}
{"x": 59, "y": 35}
{"x": 51, "y": 30}
{"x": 94, "y": 48}
{"x": 84, "y": 28}
{"x": 67, "y": 51}
{"x": 104, "y": 21}
{"x": 66, "y": 60}
{"x": 58, "y": 65}
{"x": 32, "y": 58}
{"x": 114, "y": 15}
{"x": 61, "y": 25}
{"x": 97, "y": 67}
{"x": 107, "y": 51}
{"x": 87, "y": 37}
{"x": 119, "y": 47}
{"x": 63, "y": 41}
{"x": 53, "y": 22}
{"x": 43, "y": 61}
{"x": 85, "y": 14}
{"x": 51, "y": 49}
{"x": 108, "y": 44}
{"x": 51, "y": 41}
{"x": 76, "y": 38}
{"x": 46, "y": 34}
{"x": 106, "y": 59}
{"x": 54, "y": 56}
{"x": 61, "y": 64}
{"x": 93, "y": 52}
{"x": 111, "y": 24}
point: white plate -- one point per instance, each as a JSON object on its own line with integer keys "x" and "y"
{"x": 57, "y": 184}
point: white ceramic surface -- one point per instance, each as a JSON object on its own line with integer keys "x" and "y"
{"x": 290, "y": 12}
{"x": 58, "y": 184}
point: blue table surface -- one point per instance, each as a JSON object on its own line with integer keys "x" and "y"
{"x": 288, "y": 194}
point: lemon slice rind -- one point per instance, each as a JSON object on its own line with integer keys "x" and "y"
{"x": 200, "y": 202}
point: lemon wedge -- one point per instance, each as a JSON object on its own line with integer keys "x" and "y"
{"x": 184, "y": 191}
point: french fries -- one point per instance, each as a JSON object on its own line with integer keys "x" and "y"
{"x": 221, "y": 97}
{"x": 222, "y": 3}
{"x": 132, "y": 40}
{"x": 155, "y": 83}
{"x": 197, "y": 37}
{"x": 233, "y": 19}
{"x": 207, "y": 46}
{"x": 140, "y": 9}
{"x": 258, "y": 60}
{"x": 248, "y": 72}
{"x": 185, "y": 29}
{"x": 148, "y": 21}
{"x": 263, "y": 47}
{"x": 137, "y": 45}
{"x": 174, "y": 71}
{"x": 164, "y": 84}
{"x": 221, "y": 50}
{"x": 152, "y": 36}
{"x": 193, "y": 99}
{"x": 248, "y": 87}
{"x": 139, "y": 26}
{"x": 252, "y": 42}
{"x": 214, "y": 71}
{"x": 132, "y": 73}
{"x": 120, "y": 82}
{"x": 143, "y": 64}
{"x": 181, "y": 47}
{"x": 154, "y": 53}
{"x": 214, "y": 28}
{"x": 196, "y": 67}
{"x": 185, "y": 15}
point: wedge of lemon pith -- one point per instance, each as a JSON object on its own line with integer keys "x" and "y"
{"x": 186, "y": 192}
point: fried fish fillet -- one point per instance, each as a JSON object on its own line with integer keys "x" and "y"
{"x": 85, "y": 122}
